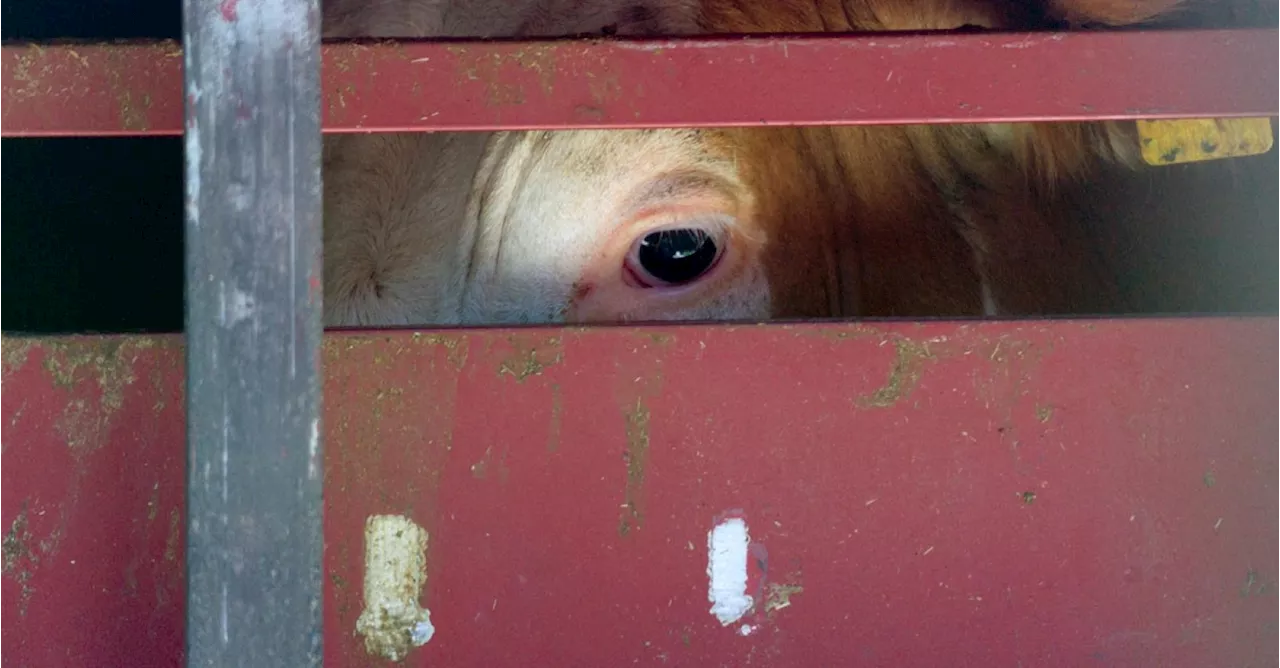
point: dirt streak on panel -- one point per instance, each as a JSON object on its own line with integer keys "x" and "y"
{"x": 15, "y": 352}
{"x": 636, "y": 458}
{"x": 639, "y": 381}
{"x": 388, "y": 433}
{"x": 110, "y": 364}
{"x": 398, "y": 397}
{"x": 1005, "y": 361}
{"x": 1010, "y": 363}
{"x": 503, "y": 73}
{"x": 530, "y": 355}
{"x": 19, "y": 559}
{"x": 92, "y": 374}
{"x": 557, "y": 411}
{"x": 904, "y": 375}
{"x": 522, "y": 355}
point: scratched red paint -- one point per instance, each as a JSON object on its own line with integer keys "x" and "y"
{"x": 1065, "y": 493}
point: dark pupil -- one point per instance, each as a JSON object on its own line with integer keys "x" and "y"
{"x": 677, "y": 256}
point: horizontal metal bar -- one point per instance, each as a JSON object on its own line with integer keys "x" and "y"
{"x": 254, "y": 461}
{"x": 135, "y": 89}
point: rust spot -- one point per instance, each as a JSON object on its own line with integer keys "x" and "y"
{"x": 636, "y": 457}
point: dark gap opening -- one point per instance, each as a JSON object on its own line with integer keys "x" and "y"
{"x": 93, "y": 226}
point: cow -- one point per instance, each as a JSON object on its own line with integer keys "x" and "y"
{"x": 603, "y": 226}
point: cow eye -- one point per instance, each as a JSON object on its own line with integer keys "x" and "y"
{"x": 673, "y": 257}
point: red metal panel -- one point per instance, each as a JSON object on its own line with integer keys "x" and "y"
{"x": 136, "y": 89}
{"x": 92, "y": 502}
{"x": 1060, "y": 493}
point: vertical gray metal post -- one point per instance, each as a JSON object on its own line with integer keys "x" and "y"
{"x": 253, "y": 329}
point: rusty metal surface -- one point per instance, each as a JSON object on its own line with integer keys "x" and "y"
{"x": 1064, "y": 493}
{"x": 135, "y": 89}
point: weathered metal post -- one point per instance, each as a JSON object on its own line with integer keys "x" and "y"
{"x": 253, "y": 326}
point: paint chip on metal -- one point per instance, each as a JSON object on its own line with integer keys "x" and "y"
{"x": 395, "y": 571}
{"x": 727, "y": 569}
{"x": 313, "y": 450}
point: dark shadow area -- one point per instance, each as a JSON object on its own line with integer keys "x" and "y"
{"x": 92, "y": 235}
{"x": 93, "y": 227}
{"x": 97, "y": 20}
{"x": 1193, "y": 238}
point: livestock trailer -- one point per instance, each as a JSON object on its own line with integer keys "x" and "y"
{"x": 1003, "y": 492}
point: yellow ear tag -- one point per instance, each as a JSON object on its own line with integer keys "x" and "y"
{"x": 1172, "y": 142}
